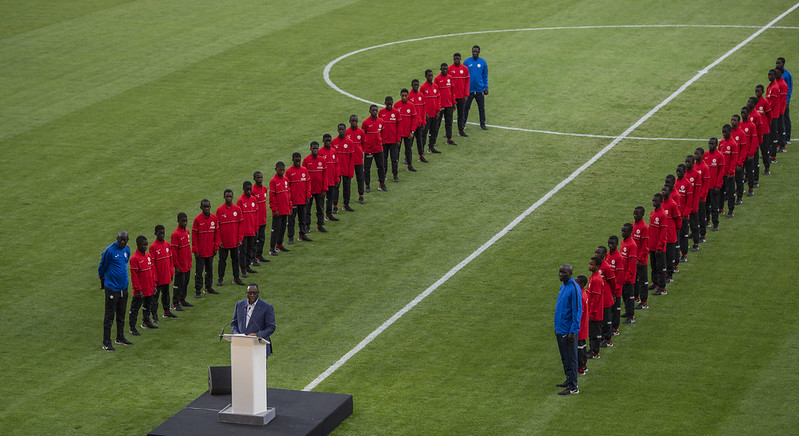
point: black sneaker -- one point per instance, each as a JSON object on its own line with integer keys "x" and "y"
{"x": 185, "y": 303}
{"x": 422, "y": 159}
{"x": 123, "y": 341}
{"x": 360, "y": 200}
{"x": 177, "y": 307}
{"x": 255, "y": 262}
{"x": 219, "y": 282}
{"x": 148, "y": 325}
{"x": 321, "y": 229}
{"x": 348, "y": 208}
{"x": 642, "y": 306}
{"x": 237, "y": 281}
{"x": 451, "y": 142}
{"x": 155, "y": 319}
{"x": 329, "y": 217}
{"x": 291, "y": 241}
{"x": 133, "y": 331}
{"x": 715, "y": 229}
{"x": 335, "y": 210}
{"x": 738, "y": 202}
{"x": 108, "y": 347}
{"x": 273, "y": 252}
{"x": 625, "y": 315}
{"x": 629, "y": 320}
{"x": 411, "y": 168}
{"x": 211, "y": 290}
{"x": 433, "y": 150}
{"x": 367, "y": 189}
{"x": 730, "y": 215}
{"x": 483, "y": 126}
{"x": 383, "y": 188}
{"x": 562, "y": 385}
{"x": 683, "y": 259}
{"x": 282, "y": 248}
{"x": 196, "y": 295}
{"x": 750, "y": 193}
{"x": 305, "y": 238}
{"x": 695, "y": 248}
{"x": 567, "y": 391}
{"x": 660, "y": 292}
{"x": 244, "y": 274}
{"x": 170, "y": 315}
{"x": 462, "y": 133}
{"x": 396, "y": 179}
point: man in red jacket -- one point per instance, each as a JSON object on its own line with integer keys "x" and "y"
{"x": 316, "y": 169}
{"x": 181, "y": 259}
{"x": 714, "y": 160}
{"x": 261, "y": 194}
{"x": 280, "y": 204}
{"x": 356, "y": 138}
{"x": 249, "y": 227}
{"x": 658, "y": 237}
{"x": 616, "y": 261}
{"x": 582, "y": 352}
{"x": 741, "y": 138}
{"x": 142, "y": 276}
{"x": 373, "y": 149}
{"x": 420, "y": 127}
{"x": 729, "y": 148}
{"x": 406, "y": 126}
{"x": 595, "y": 288}
{"x": 346, "y": 167}
{"x": 685, "y": 190}
{"x": 694, "y": 177}
{"x": 332, "y": 176}
{"x": 432, "y": 106}
{"x": 609, "y": 284}
{"x": 750, "y": 131}
{"x": 460, "y": 78}
{"x": 300, "y": 189}
{"x": 160, "y": 253}
{"x": 204, "y": 245}
{"x": 672, "y": 210}
{"x": 629, "y": 255}
{"x": 231, "y": 234}
{"x": 446, "y": 89}
{"x": 641, "y": 238}
{"x": 702, "y": 208}
{"x": 390, "y": 136}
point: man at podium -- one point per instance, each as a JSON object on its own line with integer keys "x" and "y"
{"x": 254, "y": 317}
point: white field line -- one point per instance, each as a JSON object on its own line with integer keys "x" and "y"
{"x": 376, "y": 332}
{"x": 329, "y": 66}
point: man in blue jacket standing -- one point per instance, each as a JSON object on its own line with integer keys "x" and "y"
{"x": 568, "y": 311}
{"x": 113, "y": 273}
{"x": 254, "y": 317}
{"x": 478, "y": 85}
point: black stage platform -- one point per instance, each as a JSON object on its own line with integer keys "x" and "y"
{"x": 297, "y": 413}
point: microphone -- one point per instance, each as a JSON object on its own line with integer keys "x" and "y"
{"x": 222, "y": 333}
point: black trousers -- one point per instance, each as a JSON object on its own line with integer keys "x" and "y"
{"x": 379, "y": 160}
{"x": 694, "y": 223}
{"x": 346, "y": 185}
{"x": 161, "y": 291}
{"x": 749, "y": 172}
{"x": 278, "y": 230}
{"x": 203, "y": 264}
{"x": 222, "y": 262}
{"x": 616, "y": 312}
{"x": 359, "y": 178}
{"x": 260, "y": 240}
{"x": 460, "y": 103}
{"x": 246, "y": 252}
{"x": 299, "y": 213}
{"x": 595, "y": 335}
{"x": 701, "y": 215}
{"x": 657, "y": 262}
{"x": 143, "y": 303}
{"x": 115, "y": 305}
{"x": 433, "y": 123}
{"x": 331, "y": 198}
{"x": 420, "y": 134}
{"x": 480, "y": 97}
{"x": 582, "y": 360}
{"x": 756, "y": 163}
{"x": 408, "y": 145}
{"x": 568, "y": 356}
{"x": 671, "y": 250}
{"x": 628, "y": 295}
{"x": 685, "y": 233}
{"x": 713, "y": 202}
{"x": 392, "y": 151}
{"x": 739, "y": 183}
{"x": 181, "y": 285}
{"x": 641, "y": 283}
{"x": 729, "y": 192}
{"x": 319, "y": 201}
{"x": 447, "y": 114}
{"x": 607, "y": 327}
{"x": 787, "y": 122}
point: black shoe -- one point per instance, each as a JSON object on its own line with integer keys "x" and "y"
{"x": 244, "y": 274}
{"x": 212, "y": 290}
{"x": 255, "y": 262}
{"x": 108, "y": 347}
{"x": 219, "y": 282}
{"x": 170, "y": 315}
{"x": 133, "y": 331}
{"x": 185, "y": 303}
{"x": 155, "y": 319}
{"x": 683, "y": 259}
{"x": 695, "y": 248}
{"x": 321, "y": 229}
{"x": 335, "y": 210}
{"x": 237, "y": 281}
{"x": 290, "y": 241}
{"x": 433, "y": 150}
{"x": 730, "y": 215}
{"x": 196, "y": 295}
{"x": 750, "y": 193}
{"x": 262, "y": 259}
{"x": 248, "y": 271}
{"x": 177, "y": 307}
{"x": 148, "y": 325}
{"x": 625, "y": 315}
{"x": 348, "y": 208}
{"x": 660, "y": 292}
{"x": 738, "y": 202}
{"x": 451, "y": 142}
{"x": 367, "y": 189}
{"x": 715, "y": 229}
{"x": 331, "y": 218}
{"x": 767, "y": 172}
{"x": 273, "y": 252}
{"x": 360, "y": 200}
{"x": 562, "y": 385}
{"x": 642, "y": 306}
{"x": 652, "y": 286}
{"x": 411, "y": 168}
{"x": 629, "y": 320}
{"x": 483, "y": 126}
{"x": 462, "y": 133}
{"x": 396, "y": 179}
{"x": 422, "y": 159}
{"x": 123, "y": 341}
{"x": 383, "y": 188}
{"x": 305, "y": 238}
{"x": 282, "y": 248}
{"x": 566, "y": 391}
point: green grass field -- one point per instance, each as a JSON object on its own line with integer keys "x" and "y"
{"x": 119, "y": 114}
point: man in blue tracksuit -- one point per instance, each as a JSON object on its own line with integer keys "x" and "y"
{"x": 478, "y": 85}
{"x": 113, "y": 273}
{"x": 786, "y": 75}
{"x": 568, "y": 311}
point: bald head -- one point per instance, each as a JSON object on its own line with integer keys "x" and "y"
{"x": 122, "y": 239}
{"x": 565, "y": 272}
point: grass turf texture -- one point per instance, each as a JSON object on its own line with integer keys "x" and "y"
{"x": 118, "y": 115}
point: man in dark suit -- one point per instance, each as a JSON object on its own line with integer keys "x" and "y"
{"x": 254, "y": 317}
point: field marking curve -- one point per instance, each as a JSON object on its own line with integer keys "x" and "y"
{"x": 385, "y": 325}
{"x": 331, "y": 64}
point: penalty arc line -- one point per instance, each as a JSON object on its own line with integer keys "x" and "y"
{"x": 375, "y": 333}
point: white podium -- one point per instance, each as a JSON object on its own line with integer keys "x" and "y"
{"x": 248, "y": 382}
